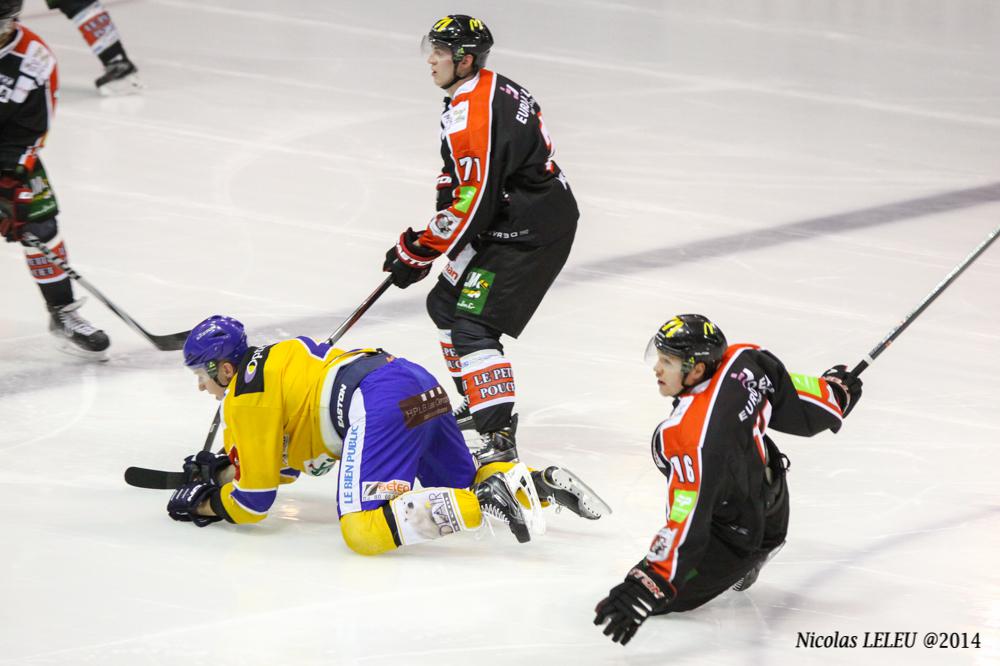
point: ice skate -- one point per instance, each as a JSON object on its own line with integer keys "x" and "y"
{"x": 565, "y": 489}
{"x": 76, "y": 335}
{"x": 120, "y": 77}
{"x": 498, "y": 446}
{"x": 463, "y": 416}
{"x": 498, "y": 497}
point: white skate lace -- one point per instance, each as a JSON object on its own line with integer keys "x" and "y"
{"x": 72, "y": 321}
{"x": 492, "y": 510}
{"x": 461, "y": 407}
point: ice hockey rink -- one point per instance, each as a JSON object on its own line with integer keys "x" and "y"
{"x": 804, "y": 172}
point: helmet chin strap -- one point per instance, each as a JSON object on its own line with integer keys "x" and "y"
{"x": 456, "y": 78}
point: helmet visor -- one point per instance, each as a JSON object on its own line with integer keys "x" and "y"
{"x": 207, "y": 371}
{"x": 428, "y": 45}
{"x": 652, "y": 354}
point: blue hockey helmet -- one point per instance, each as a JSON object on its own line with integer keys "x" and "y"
{"x": 216, "y": 339}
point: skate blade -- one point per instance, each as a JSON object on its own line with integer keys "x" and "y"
{"x": 66, "y": 347}
{"x": 590, "y": 500}
{"x": 130, "y": 85}
{"x": 519, "y": 481}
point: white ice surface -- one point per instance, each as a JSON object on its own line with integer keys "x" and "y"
{"x": 767, "y": 163}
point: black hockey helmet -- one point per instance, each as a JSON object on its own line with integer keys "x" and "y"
{"x": 10, "y": 8}
{"x": 692, "y": 337}
{"x": 462, "y": 35}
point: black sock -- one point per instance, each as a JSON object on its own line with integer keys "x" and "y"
{"x": 57, "y": 294}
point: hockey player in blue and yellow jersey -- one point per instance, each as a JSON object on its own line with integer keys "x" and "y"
{"x": 298, "y": 406}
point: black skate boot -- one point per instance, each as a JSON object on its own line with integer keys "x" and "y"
{"x": 78, "y": 335}
{"x": 498, "y": 446}
{"x": 120, "y": 77}
{"x": 463, "y": 416}
{"x": 497, "y": 499}
{"x": 565, "y": 489}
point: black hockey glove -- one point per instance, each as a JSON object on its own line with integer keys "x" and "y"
{"x": 846, "y": 387}
{"x": 205, "y": 466}
{"x": 15, "y": 203}
{"x": 184, "y": 502}
{"x": 629, "y": 604}
{"x": 407, "y": 261}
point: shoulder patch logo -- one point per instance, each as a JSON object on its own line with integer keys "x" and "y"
{"x": 456, "y": 118}
{"x": 662, "y": 543}
{"x": 250, "y": 377}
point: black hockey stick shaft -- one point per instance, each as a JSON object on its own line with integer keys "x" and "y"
{"x": 941, "y": 286}
{"x": 332, "y": 340}
{"x": 171, "y": 342}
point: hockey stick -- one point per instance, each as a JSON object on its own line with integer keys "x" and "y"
{"x": 171, "y": 342}
{"x": 941, "y": 286}
{"x": 141, "y": 477}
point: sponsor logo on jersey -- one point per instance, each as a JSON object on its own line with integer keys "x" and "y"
{"x": 466, "y": 194}
{"x": 372, "y": 491}
{"x": 38, "y": 62}
{"x": 662, "y": 542}
{"x": 444, "y": 223}
{"x": 507, "y": 235}
{"x": 757, "y": 390}
{"x": 443, "y": 512}
{"x": 234, "y": 457}
{"x": 341, "y": 394}
{"x": 420, "y": 409}
{"x": 349, "y": 465}
{"x": 524, "y": 104}
{"x": 806, "y": 384}
{"x": 251, "y": 380}
{"x": 450, "y": 274}
{"x": 456, "y": 118}
{"x": 320, "y": 465}
{"x": 251, "y": 368}
{"x": 476, "y": 290}
{"x": 682, "y": 504}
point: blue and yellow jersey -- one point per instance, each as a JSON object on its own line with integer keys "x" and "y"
{"x": 276, "y": 422}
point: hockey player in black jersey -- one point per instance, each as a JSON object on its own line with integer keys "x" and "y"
{"x": 727, "y": 501}
{"x": 97, "y": 29}
{"x": 28, "y": 84}
{"x": 506, "y": 221}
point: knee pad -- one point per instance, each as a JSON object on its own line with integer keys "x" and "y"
{"x": 471, "y": 336}
{"x": 367, "y": 532}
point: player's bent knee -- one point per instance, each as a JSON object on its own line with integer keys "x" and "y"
{"x": 470, "y": 336}
{"x": 367, "y": 532}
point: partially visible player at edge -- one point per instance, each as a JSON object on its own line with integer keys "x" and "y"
{"x": 299, "y": 406}
{"x": 506, "y": 221}
{"x": 29, "y": 85}
{"x": 97, "y": 29}
{"x": 727, "y": 499}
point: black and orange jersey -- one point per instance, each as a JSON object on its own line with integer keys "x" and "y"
{"x": 29, "y": 84}
{"x": 714, "y": 449}
{"x": 499, "y": 180}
